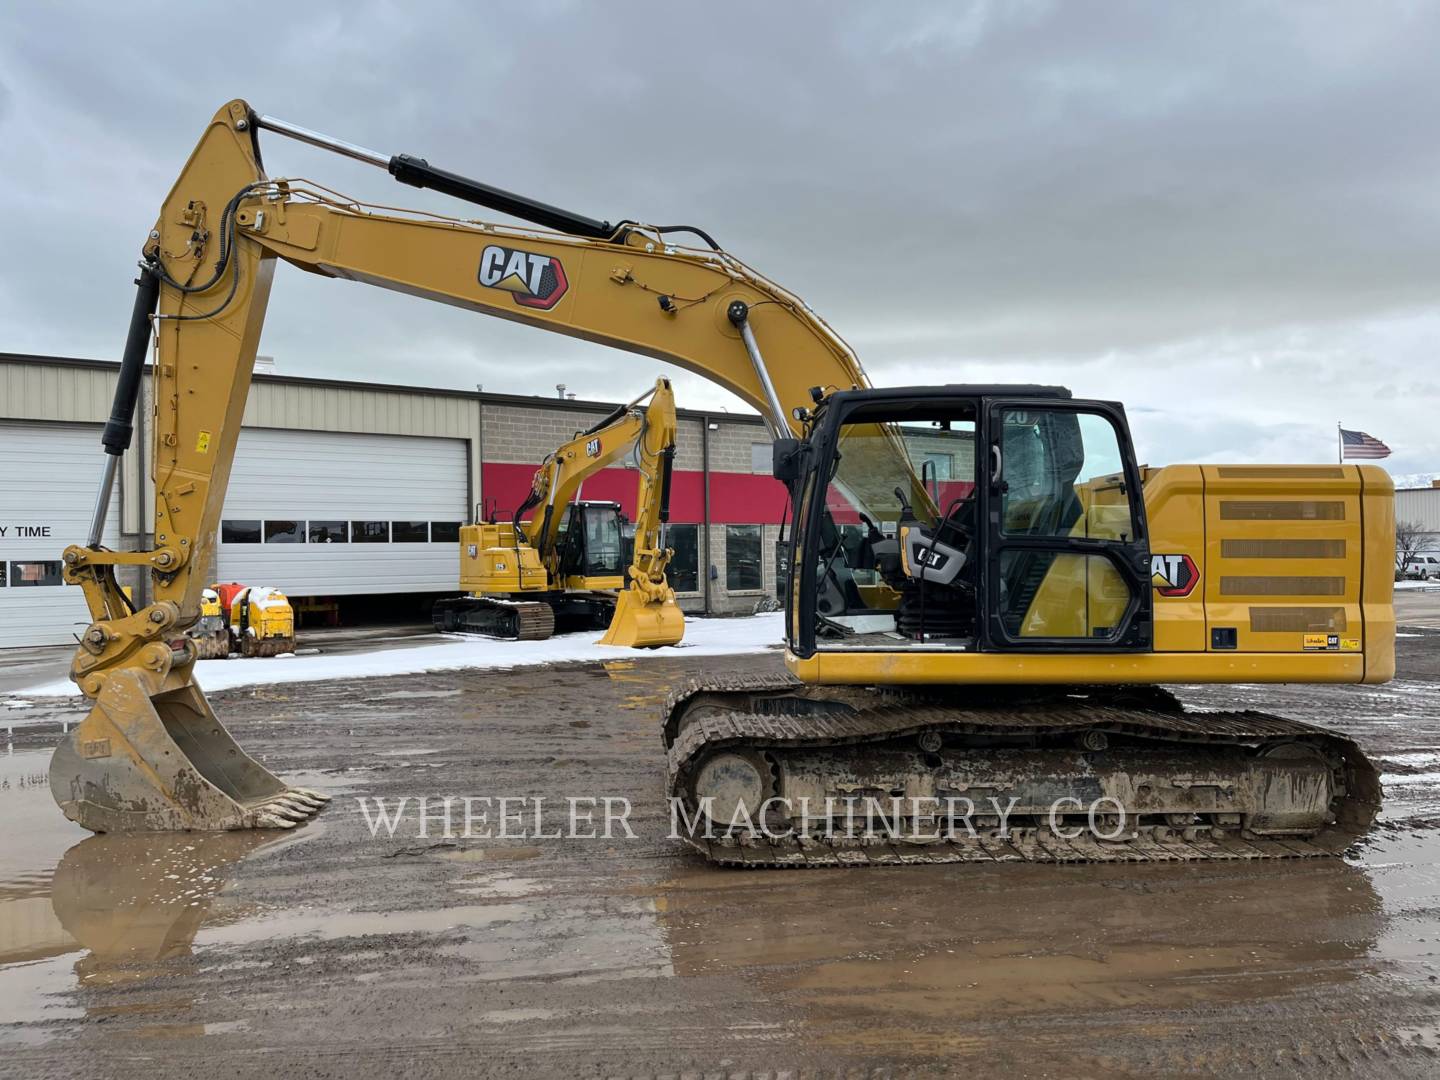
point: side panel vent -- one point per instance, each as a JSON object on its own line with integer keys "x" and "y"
{"x": 1279, "y": 472}
{"x": 1281, "y": 510}
{"x": 1282, "y": 549}
{"x": 1239, "y": 585}
{"x": 1304, "y": 620}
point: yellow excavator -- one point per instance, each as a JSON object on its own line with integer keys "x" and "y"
{"x": 563, "y": 565}
{"x": 986, "y": 591}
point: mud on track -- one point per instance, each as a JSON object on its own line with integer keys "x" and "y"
{"x": 327, "y": 953}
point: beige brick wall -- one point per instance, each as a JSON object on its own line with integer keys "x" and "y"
{"x": 524, "y": 434}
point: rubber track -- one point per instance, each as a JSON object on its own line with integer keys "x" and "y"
{"x": 529, "y": 620}
{"x": 534, "y": 622}
{"x": 732, "y": 720}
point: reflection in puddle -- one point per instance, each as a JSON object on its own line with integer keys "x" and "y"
{"x": 141, "y": 899}
{"x": 886, "y": 960}
{"x": 131, "y": 902}
{"x": 646, "y": 687}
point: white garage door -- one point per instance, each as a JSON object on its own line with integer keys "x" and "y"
{"x": 48, "y": 478}
{"x": 316, "y": 513}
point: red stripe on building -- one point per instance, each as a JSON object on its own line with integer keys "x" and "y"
{"x": 735, "y": 498}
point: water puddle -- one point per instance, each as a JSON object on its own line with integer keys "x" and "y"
{"x": 517, "y": 1016}
{"x": 490, "y": 854}
{"x": 327, "y": 925}
{"x": 646, "y": 687}
{"x": 78, "y": 910}
{"x": 36, "y": 834}
{"x": 589, "y": 941}
{"x": 500, "y": 886}
{"x": 115, "y": 910}
{"x": 917, "y": 950}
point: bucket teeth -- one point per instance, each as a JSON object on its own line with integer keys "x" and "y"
{"x": 287, "y": 810}
{"x": 299, "y": 802}
{"x": 266, "y": 820}
{"x": 306, "y": 793}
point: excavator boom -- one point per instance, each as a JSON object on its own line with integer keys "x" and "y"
{"x": 151, "y": 754}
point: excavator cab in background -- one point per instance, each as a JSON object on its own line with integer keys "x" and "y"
{"x": 592, "y": 545}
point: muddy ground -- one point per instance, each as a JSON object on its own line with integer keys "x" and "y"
{"x": 328, "y": 953}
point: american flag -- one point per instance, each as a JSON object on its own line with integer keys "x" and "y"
{"x": 1356, "y": 444}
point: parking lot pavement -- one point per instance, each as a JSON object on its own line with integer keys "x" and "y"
{"x": 332, "y": 952}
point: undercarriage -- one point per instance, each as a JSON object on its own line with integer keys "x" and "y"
{"x": 524, "y": 620}
{"x": 796, "y": 776}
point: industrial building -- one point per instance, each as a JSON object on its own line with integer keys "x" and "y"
{"x": 1420, "y": 506}
{"x": 348, "y": 496}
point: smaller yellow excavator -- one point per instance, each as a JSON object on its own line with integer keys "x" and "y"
{"x": 559, "y": 562}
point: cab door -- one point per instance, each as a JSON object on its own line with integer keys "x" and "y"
{"x": 1066, "y": 551}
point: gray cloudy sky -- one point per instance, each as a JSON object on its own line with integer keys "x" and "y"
{"x": 1226, "y": 215}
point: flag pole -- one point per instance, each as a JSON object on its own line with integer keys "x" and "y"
{"x": 1340, "y": 440}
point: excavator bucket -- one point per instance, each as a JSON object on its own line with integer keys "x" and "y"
{"x": 638, "y": 624}
{"x": 144, "y": 763}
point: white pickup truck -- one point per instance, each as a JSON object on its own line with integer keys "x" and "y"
{"x": 1422, "y": 567}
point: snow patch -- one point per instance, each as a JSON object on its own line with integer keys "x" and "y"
{"x": 703, "y": 637}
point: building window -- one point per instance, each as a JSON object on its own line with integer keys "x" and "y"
{"x": 2, "y": 575}
{"x": 410, "y": 532}
{"x": 284, "y": 532}
{"x": 370, "y": 532}
{"x": 683, "y": 573}
{"x": 46, "y": 572}
{"x": 742, "y": 558}
{"x": 329, "y": 532}
{"x": 941, "y": 466}
{"x": 761, "y": 459}
{"x": 444, "y": 532}
{"x": 240, "y": 532}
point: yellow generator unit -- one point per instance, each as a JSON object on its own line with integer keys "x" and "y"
{"x": 262, "y": 622}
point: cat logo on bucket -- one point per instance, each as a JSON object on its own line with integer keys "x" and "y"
{"x": 1173, "y": 575}
{"x": 534, "y": 281}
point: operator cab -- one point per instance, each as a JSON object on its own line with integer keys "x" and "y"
{"x": 591, "y": 543}
{"x": 969, "y": 519}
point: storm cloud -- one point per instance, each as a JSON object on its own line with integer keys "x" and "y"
{"x": 1225, "y": 215}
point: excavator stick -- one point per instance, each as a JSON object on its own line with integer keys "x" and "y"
{"x": 642, "y": 624}
{"x": 151, "y": 754}
{"x": 148, "y": 762}
{"x": 646, "y": 614}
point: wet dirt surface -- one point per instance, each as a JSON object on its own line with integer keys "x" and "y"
{"x": 324, "y": 952}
